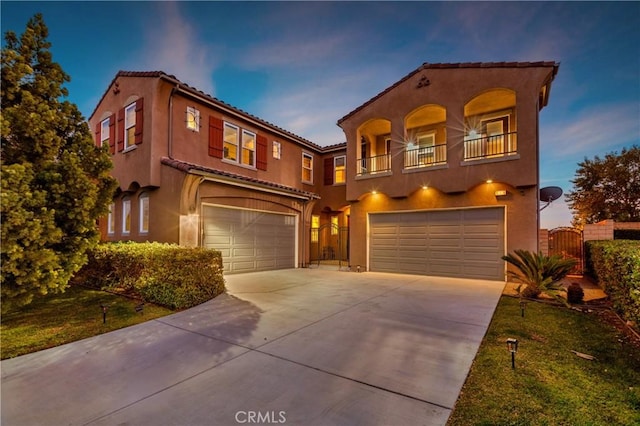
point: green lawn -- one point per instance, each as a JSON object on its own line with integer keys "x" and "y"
{"x": 56, "y": 319}
{"x": 550, "y": 384}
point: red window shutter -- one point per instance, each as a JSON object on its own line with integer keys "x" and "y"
{"x": 215, "y": 137}
{"x": 328, "y": 171}
{"x": 112, "y": 134}
{"x": 261, "y": 153}
{"x": 98, "y": 127}
{"x": 121, "y": 130}
{"x": 139, "y": 121}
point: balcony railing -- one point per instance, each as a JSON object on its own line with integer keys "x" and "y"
{"x": 425, "y": 156}
{"x": 371, "y": 165}
{"x": 490, "y": 146}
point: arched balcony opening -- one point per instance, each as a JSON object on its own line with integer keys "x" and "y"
{"x": 425, "y": 137}
{"x": 490, "y": 125}
{"x": 374, "y": 147}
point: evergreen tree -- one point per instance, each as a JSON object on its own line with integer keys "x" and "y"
{"x": 55, "y": 180}
{"x": 607, "y": 188}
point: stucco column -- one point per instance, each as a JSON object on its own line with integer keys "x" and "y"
{"x": 398, "y": 144}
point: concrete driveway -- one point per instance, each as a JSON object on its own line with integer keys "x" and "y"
{"x": 303, "y": 346}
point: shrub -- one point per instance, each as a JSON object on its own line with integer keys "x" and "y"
{"x": 538, "y": 272}
{"x": 575, "y": 294}
{"x": 616, "y": 266}
{"x": 165, "y": 274}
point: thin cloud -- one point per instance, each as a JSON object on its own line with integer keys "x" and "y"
{"x": 172, "y": 45}
{"x": 595, "y": 130}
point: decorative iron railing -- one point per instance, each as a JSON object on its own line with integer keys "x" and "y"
{"x": 425, "y": 156}
{"x": 377, "y": 164}
{"x": 490, "y": 146}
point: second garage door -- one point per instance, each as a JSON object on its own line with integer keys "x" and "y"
{"x": 250, "y": 240}
{"x": 465, "y": 243}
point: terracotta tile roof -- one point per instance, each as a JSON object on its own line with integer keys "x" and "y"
{"x": 173, "y": 79}
{"x": 190, "y": 167}
{"x": 427, "y": 65}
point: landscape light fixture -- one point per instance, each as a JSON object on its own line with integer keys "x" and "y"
{"x": 512, "y": 345}
{"x": 523, "y": 305}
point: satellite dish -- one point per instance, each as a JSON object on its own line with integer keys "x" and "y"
{"x": 549, "y": 194}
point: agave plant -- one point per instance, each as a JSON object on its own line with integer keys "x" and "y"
{"x": 540, "y": 273}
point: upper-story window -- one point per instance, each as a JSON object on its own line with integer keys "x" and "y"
{"x": 307, "y": 167}
{"x": 129, "y": 126}
{"x": 230, "y": 148}
{"x": 489, "y": 136}
{"x": 339, "y": 169}
{"x": 193, "y": 119}
{"x": 248, "y": 148}
{"x": 104, "y": 132}
{"x": 277, "y": 150}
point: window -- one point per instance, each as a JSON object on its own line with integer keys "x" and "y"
{"x": 315, "y": 225}
{"x": 129, "y": 126}
{"x": 104, "y": 132}
{"x": 490, "y": 137}
{"x": 426, "y": 153}
{"x": 111, "y": 223}
{"x": 230, "y": 147}
{"x": 126, "y": 216}
{"x": 277, "y": 150}
{"x": 339, "y": 169}
{"x": 193, "y": 119}
{"x": 307, "y": 167}
{"x": 248, "y": 148}
{"x": 334, "y": 225}
{"x": 144, "y": 213}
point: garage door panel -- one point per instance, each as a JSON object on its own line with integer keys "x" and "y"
{"x": 465, "y": 243}
{"x": 250, "y": 240}
{"x": 413, "y": 242}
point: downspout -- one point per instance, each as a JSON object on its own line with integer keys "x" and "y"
{"x": 170, "y": 120}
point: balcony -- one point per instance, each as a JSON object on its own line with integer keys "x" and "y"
{"x": 373, "y": 165}
{"x": 493, "y": 146}
{"x": 425, "y": 156}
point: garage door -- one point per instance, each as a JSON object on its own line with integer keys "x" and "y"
{"x": 454, "y": 243}
{"x": 250, "y": 240}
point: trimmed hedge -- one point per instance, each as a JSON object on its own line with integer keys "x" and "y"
{"x": 165, "y": 274}
{"x": 616, "y": 266}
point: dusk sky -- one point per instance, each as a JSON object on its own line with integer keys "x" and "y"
{"x": 304, "y": 65}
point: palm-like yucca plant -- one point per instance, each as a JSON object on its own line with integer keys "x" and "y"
{"x": 540, "y": 273}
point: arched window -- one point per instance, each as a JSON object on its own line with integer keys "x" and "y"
{"x": 144, "y": 213}
{"x": 111, "y": 219}
{"x": 126, "y": 216}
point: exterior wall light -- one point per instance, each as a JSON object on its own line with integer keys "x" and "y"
{"x": 374, "y": 192}
{"x": 512, "y": 345}
{"x": 489, "y": 181}
{"x": 425, "y": 187}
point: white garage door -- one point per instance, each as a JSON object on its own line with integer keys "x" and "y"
{"x": 250, "y": 240}
{"x": 454, "y": 243}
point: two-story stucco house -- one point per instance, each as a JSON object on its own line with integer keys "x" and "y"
{"x": 439, "y": 174}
